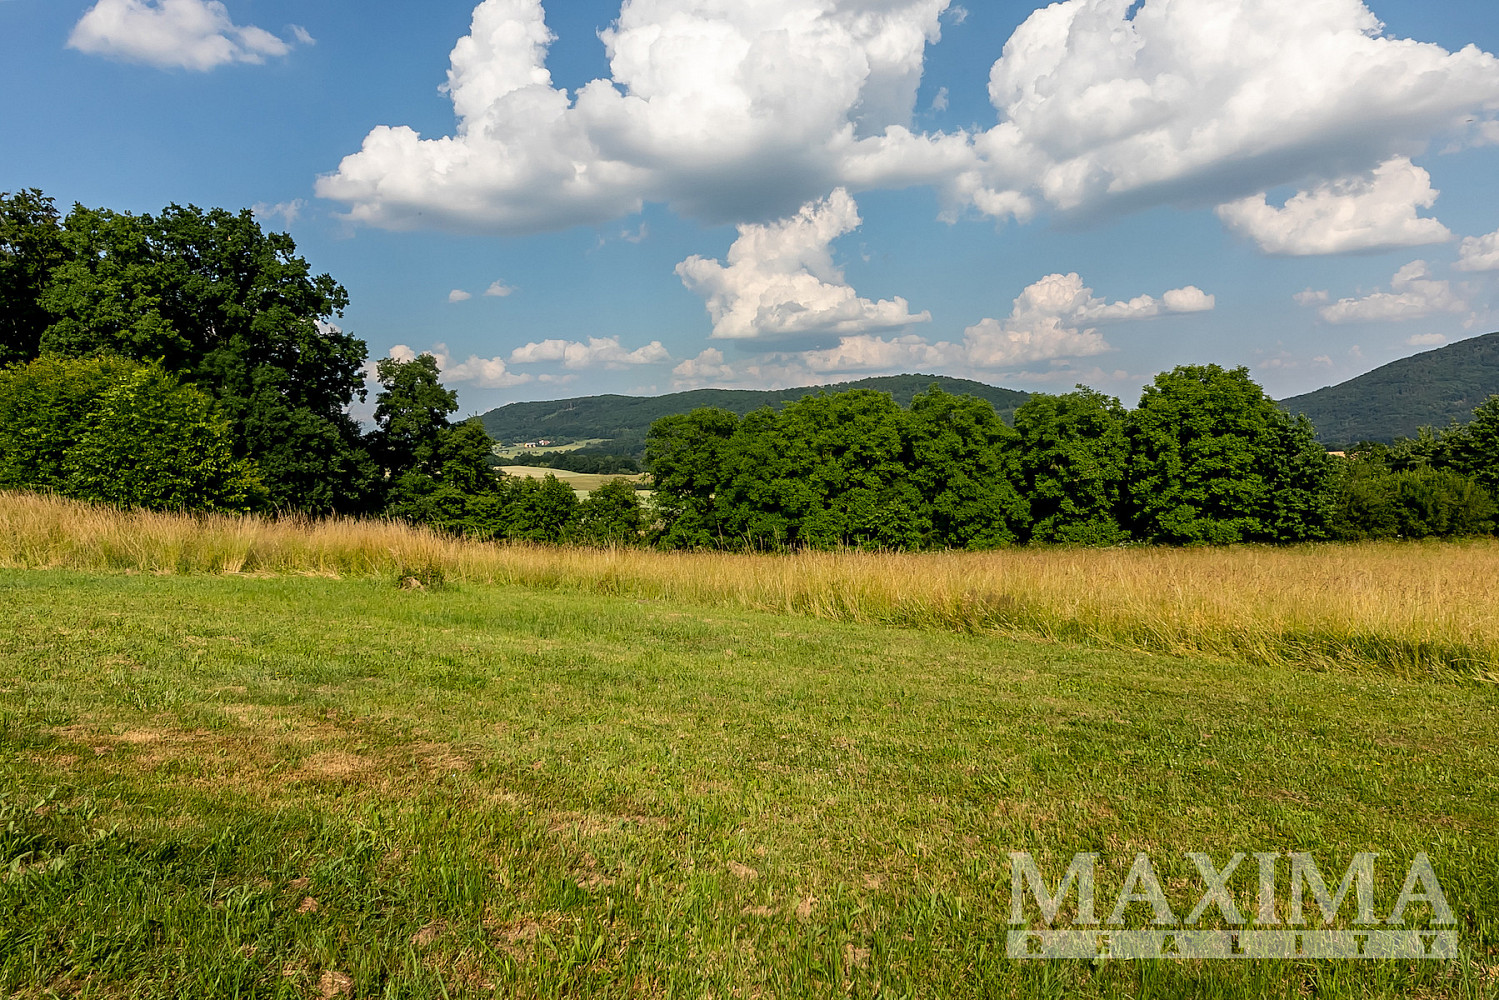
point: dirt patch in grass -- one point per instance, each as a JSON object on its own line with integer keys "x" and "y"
{"x": 337, "y": 764}
{"x": 595, "y": 824}
{"x": 335, "y": 984}
{"x": 517, "y": 937}
{"x": 428, "y": 933}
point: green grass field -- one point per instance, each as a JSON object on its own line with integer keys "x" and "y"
{"x": 293, "y": 786}
{"x": 581, "y": 482}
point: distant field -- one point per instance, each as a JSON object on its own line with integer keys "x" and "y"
{"x": 516, "y": 450}
{"x": 288, "y": 786}
{"x": 581, "y": 482}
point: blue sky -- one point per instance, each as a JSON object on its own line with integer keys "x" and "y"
{"x": 682, "y": 193}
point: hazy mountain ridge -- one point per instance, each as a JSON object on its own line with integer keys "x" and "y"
{"x": 1430, "y": 389}
{"x": 623, "y": 420}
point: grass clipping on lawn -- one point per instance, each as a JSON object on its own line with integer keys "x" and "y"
{"x": 1413, "y": 607}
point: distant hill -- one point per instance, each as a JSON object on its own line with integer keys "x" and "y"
{"x": 623, "y": 420}
{"x": 1430, "y": 389}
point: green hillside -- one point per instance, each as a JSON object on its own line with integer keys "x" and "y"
{"x": 1430, "y": 389}
{"x": 623, "y": 420}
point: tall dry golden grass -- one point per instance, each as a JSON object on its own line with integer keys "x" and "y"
{"x": 1430, "y": 608}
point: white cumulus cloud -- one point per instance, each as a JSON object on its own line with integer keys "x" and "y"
{"x": 1182, "y": 100}
{"x": 486, "y": 373}
{"x": 1413, "y": 294}
{"x": 740, "y": 112}
{"x": 286, "y": 211}
{"x": 178, "y": 34}
{"x": 1052, "y": 320}
{"x": 1055, "y": 317}
{"x": 1426, "y": 340}
{"x": 868, "y": 353}
{"x": 1479, "y": 253}
{"x": 724, "y": 110}
{"x": 458, "y": 295}
{"x": 708, "y": 366}
{"x": 598, "y": 351}
{"x": 1376, "y": 212}
{"x": 498, "y": 290}
{"x": 780, "y": 280}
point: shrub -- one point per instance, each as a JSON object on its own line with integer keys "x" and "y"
{"x": 122, "y": 433}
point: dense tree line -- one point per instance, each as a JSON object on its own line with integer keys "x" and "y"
{"x": 589, "y": 461}
{"x": 621, "y": 422}
{"x": 1206, "y": 457}
{"x": 190, "y": 360}
{"x": 1440, "y": 483}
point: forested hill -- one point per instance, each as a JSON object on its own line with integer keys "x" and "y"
{"x": 1430, "y": 389}
{"x": 625, "y": 419}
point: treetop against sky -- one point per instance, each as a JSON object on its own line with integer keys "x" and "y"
{"x": 667, "y": 194}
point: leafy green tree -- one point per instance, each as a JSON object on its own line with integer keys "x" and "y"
{"x": 122, "y": 433}
{"x": 411, "y": 413}
{"x": 30, "y": 248}
{"x": 153, "y": 442}
{"x": 1301, "y": 476}
{"x": 1213, "y": 459}
{"x": 1365, "y": 503}
{"x": 964, "y": 465}
{"x": 1441, "y": 503}
{"x": 1427, "y": 450}
{"x": 230, "y": 309}
{"x": 540, "y": 510}
{"x": 448, "y": 507}
{"x": 610, "y": 515}
{"x": 826, "y": 471}
{"x": 464, "y": 455}
{"x": 1074, "y": 454}
{"x": 436, "y": 473}
{"x": 1473, "y": 448}
{"x": 685, "y": 455}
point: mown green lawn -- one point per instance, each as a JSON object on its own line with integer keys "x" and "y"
{"x": 238, "y": 787}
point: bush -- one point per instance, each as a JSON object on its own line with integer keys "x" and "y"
{"x": 611, "y": 515}
{"x": 122, "y": 433}
{"x": 1372, "y": 501}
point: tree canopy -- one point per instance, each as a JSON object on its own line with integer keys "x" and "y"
{"x": 1074, "y": 450}
{"x": 1213, "y": 459}
{"x": 216, "y": 301}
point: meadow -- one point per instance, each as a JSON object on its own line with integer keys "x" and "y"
{"x": 1413, "y": 609}
{"x": 581, "y": 482}
{"x": 254, "y": 758}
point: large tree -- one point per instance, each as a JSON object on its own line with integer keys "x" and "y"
{"x": 1074, "y": 452}
{"x": 1213, "y": 459}
{"x": 826, "y": 471}
{"x": 1473, "y": 448}
{"x": 214, "y": 299}
{"x": 30, "y": 249}
{"x": 610, "y": 515}
{"x": 963, "y": 464}
{"x": 433, "y": 470}
{"x": 685, "y": 455}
